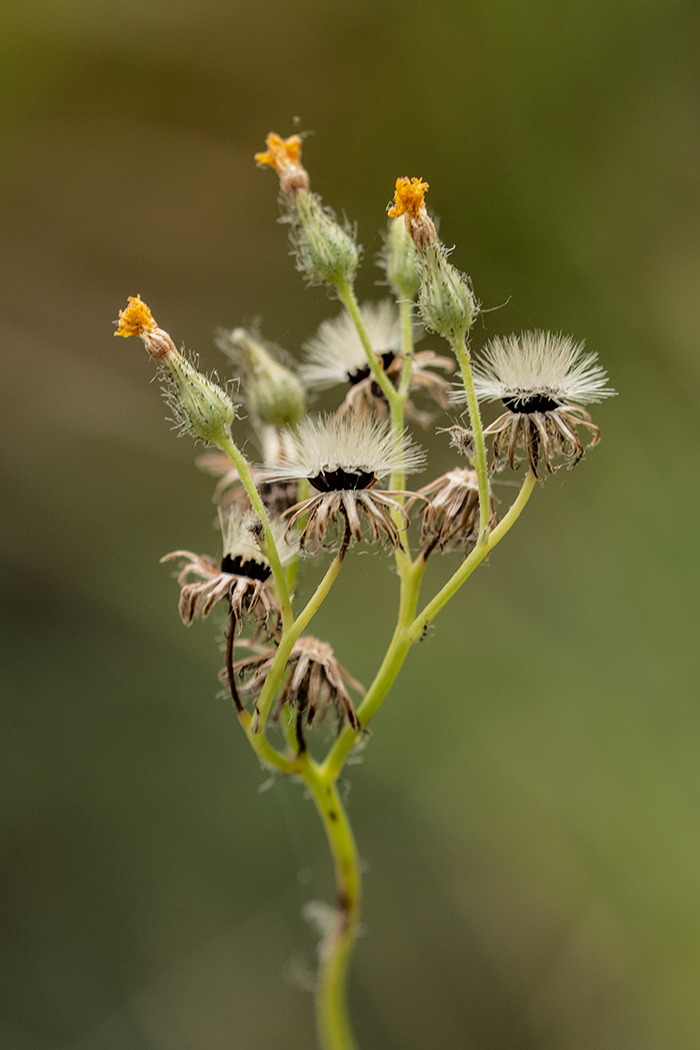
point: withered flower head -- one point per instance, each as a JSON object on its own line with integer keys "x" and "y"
{"x": 343, "y": 459}
{"x": 543, "y": 380}
{"x": 314, "y": 681}
{"x": 284, "y": 157}
{"x": 336, "y": 355}
{"x": 241, "y": 577}
{"x": 451, "y": 514}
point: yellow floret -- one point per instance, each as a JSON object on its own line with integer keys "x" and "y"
{"x": 136, "y": 319}
{"x": 281, "y": 153}
{"x": 408, "y": 198}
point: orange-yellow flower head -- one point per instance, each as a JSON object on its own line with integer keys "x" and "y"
{"x": 409, "y": 198}
{"x": 446, "y": 301}
{"x": 284, "y": 156}
{"x": 409, "y": 201}
{"x": 136, "y": 319}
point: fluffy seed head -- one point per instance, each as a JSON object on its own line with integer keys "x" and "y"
{"x": 350, "y": 445}
{"x": 336, "y": 354}
{"x": 538, "y": 371}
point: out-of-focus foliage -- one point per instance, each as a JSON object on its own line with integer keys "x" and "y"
{"x": 529, "y": 802}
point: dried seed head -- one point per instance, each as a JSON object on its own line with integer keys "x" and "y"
{"x": 349, "y": 447}
{"x": 543, "y": 379}
{"x": 336, "y": 353}
{"x": 451, "y": 513}
{"x": 537, "y": 371}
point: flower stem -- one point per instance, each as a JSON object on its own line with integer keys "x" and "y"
{"x": 227, "y": 445}
{"x": 482, "y": 473}
{"x": 346, "y": 294}
{"x": 467, "y": 567}
{"x": 334, "y": 953}
{"x": 290, "y": 635}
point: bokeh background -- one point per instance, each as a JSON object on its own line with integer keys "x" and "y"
{"x": 529, "y": 805}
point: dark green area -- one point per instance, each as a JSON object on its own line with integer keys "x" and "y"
{"x": 529, "y": 803}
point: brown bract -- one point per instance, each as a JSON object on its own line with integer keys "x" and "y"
{"x": 551, "y": 434}
{"x": 451, "y": 514}
{"x": 314, "y": 681}
{"x": 203, "y": 584}
{"x": 366, "y": 398}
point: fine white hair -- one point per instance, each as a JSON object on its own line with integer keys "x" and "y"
{"x": 336, "y": 350}
{"x": 351, "y": 443}
{"x": 538, "y": 363}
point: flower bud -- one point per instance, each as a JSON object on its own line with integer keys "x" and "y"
{"x": 201, "y": 407}
{"x": 326, "y": 252}
{"x": 273, "y": 392}
{"x": 446, "y": 301}
{"x": 401, "y": 261}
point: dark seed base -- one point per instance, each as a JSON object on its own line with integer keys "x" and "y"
{"x": 340, "y": 480}
{"x": 252, "y": 569}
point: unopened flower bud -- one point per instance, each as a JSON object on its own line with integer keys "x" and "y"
{"x": 326, "y": 252}
{"x": 401, "y": 261}
{"x": 446, "y": 301}
{"x": 273, "y": 392}
{"x": 201, "y": 407}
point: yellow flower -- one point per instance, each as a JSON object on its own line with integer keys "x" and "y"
{"x": 409, "y": 198}
{"x": 284, "y": 157}
{"x": 280, "y": 152}
{"x": 136, "y": 319}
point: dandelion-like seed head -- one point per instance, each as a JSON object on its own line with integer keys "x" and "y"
{"x": 347, "y": 453}
{"x": 343, "y": 458}
{"x": 537, "y": 371}
{"x": 315, "y": 680}
{"x": 543, "y": 380}
{"x": 336, "y": 354}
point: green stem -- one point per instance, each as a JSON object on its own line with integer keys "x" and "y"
{"x": 334, "y": 954}
{"x": 409, "y": 627}
{"x": 475, "y": 558}
{"x": 289, "y": 637}
{"x": 391, "y": 665}
{"x": 406, "y": 311}
{"x": 482, "y": 473}
{"x": 263, "y": 748}
{"x": 346, "y": 294}
{"x": 227, "y": 445}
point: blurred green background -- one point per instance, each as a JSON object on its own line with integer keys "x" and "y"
{"x": 529, "y": 805}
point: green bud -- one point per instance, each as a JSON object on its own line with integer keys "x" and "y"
{"x": 326, "y": 252}
{"x": 273, "y": 392}
{"x": 201, "y": 407}
{"x": 401, "y": 261}
{"x": 446, "y": 301}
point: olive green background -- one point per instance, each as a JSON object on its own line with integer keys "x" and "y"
{"x": 529, "y": 804}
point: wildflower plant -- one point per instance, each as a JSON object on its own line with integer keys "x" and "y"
{"x": 324, "y": 483}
